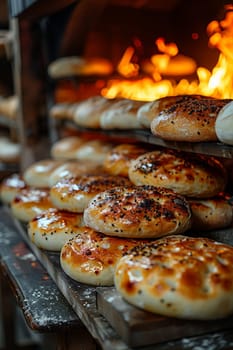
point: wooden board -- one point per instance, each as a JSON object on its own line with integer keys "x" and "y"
{"x": 138, "y": 327}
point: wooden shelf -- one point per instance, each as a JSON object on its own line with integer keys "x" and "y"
{"x": 44, "y": 307}
{"x": 217, "y": 149}
{"x": 108, "y": 320}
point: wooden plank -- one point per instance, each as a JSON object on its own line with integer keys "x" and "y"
{"x": 138, "y": 327}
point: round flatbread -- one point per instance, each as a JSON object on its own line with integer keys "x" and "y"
{"x": 73, "y": 169}
{"x": 51, "y": 229}
{"x": 224, "y": 124}
{"x": 94, "y": 151}
{"x": 30, "y": 202}
{"x": 178, "y": 276}
{"x": 10, "y": 187}
{"x": 138, "y": 212}
{"x": 91, "y": 257}
{"x": 38, "y": 173}
{"x": 88, "y": 112}
{"x": 210, "y": 214}
{"x": 190, "y": 121}
{"x": 121, "y": 115}
{"x": 150, "y": 110}
{"x": 117, "y": 161}
{"x": 10, "y": 151}
{"x": 66, "y": 148}
{"x": 63, "y": 110}
{"x": 189, "y": 174}
{"x": 74, "y": 194}
{"x": 76, "y": 65}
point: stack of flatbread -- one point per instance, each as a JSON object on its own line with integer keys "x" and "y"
{"x": 134, "y": 216}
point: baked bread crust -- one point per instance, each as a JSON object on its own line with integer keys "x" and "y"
{"x": 51, "y": 229}
{"x": 73, "y": 194}
{"x": 190, "y": 121}
{"x": 210, "y": 214}
{"x": 90, "y": 257}
{"x": 73, "y": 169}
{"x": 10, "y": 187}
{"x": 94, "y": 151}
{"x": 138, "y": 212}
{"x": 88, "y": 112}
{"x": 224, "y": 124}
{"x": 38, "y": 173}
{"x": 75, "y": 65}
{"x": 63, "y": 110}
{"x": 117, "y": 161}
{"x": 149, "y": 110}
{"x": 9, "y": 150}
{"x": 66, "y": 148}
{"x": 121, "y": 115}
{"x": 30, "y": 202}
{"x": 189, "y": 174}
{"x": 179, "y": 276}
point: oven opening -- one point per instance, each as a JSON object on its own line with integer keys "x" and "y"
{"x": 144, "y": 50}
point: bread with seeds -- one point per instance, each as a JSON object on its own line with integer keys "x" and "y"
{"x": 30, "y": 202}
{"x": 210, "y": 214}
{"x": 189, "y": 174}
{"x": 51, "y": 229}
{"x": 190, "y": 121}
{"x": 138, "y": 212}
{"x": 91, "y": 257}
{"x": 73, "y": 194}
{"x": 179, "y": 276}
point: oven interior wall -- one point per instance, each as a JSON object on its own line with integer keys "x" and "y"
{"x": 109, "y": 28}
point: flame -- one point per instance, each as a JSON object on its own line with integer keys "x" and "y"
{"x": 168, "y": 62}
{"x": 127, "y": 68}
{"x": 170, "y": 49}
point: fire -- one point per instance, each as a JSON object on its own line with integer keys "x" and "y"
{"x": 125, "y": 67}
{"x": 216, "y": 83}
{"x": 171, "y": 49}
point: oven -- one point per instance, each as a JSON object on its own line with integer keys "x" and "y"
{"x": 152, "y": 49}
